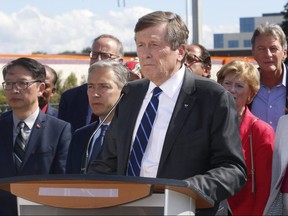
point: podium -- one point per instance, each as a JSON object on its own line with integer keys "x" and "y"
{"x": 103, "y": 195}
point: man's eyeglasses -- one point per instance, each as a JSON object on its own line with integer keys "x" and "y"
{"x": 20, "y": 85}
{"x": 103, "y": 55}
{"x": 192, "y": 59}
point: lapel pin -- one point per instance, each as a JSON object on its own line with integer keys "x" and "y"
{"x": 38, "y": 126}
{"x": 185, "y": 105}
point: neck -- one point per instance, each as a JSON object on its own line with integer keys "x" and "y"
{"x": 23, "y": 114}
{"x": 241, "y": 112}
{"x": 271, "y": 79}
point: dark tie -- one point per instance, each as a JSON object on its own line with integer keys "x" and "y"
{"x": 143, "y": 134}
{"x": 19, "y": 145}
{"x": 98, "y": 143}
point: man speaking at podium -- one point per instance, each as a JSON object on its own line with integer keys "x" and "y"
{"x": 173, "y": 124}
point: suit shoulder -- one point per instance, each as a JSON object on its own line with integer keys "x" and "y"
{"x": 56, "y": 121}
{"x": 87, "y": 127}
{"x": 5, "y": 114}
{"x": 208, "y": 85}
{"x": 74, "y": 91}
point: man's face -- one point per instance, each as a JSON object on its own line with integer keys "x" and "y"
{"x": 50, "y": 89}
{"x": 105, "y": 47}
{"x": 158, "y": 61}
{"x": 194, "y": 62}
{"x": 268, "y": 53}
{"x": 102, "y": 91}
{"x": 23, "y": 100}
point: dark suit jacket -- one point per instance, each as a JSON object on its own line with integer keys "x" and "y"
{"x": 202, "y": 143}
{"x": 78, "y": 148}
{"x": 73, "y": 106}
{"x": 46, "y": 152}
{"x": 52, "y": 111}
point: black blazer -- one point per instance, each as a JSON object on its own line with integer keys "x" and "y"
{"x": 73, "y": 106}
{"x": 78, "y": 148}
{"x": 46, "y": 152}
{"x": 202, "y": 143}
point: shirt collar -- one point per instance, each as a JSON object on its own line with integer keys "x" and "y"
{"x": 284, "y": 74}
{"x": 170, "y": 86}
{"x": 28, "y": 121}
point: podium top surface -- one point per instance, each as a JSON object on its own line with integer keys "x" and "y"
{"x": 158, "y": 185}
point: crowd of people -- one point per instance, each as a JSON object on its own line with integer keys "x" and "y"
{"x": 158, "y": 116}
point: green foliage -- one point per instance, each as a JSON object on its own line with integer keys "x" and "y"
{"x": 70, "y": 82}
{"x": 68, "y": 53}
{"x": 86, "y": 50}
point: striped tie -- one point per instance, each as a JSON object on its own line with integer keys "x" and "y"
{"x": 97, "y": 147}
{"x": 19, "y": 145}
{"x": 143, "y": 134}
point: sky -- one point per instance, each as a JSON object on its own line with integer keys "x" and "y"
{"x": 55, "y": 26}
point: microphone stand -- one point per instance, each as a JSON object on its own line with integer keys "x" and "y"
{"x": 84, "y": 168}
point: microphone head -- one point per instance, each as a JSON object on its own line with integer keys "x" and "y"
{"x": 125, "y": 89}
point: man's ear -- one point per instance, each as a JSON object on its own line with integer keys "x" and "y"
{"x": 181, "y": 52}
{"x": 41, "y": 88}
{"x": 53, "y": 92}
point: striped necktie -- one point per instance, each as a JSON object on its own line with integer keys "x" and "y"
{"x": 143, "y": 134}
{"x": 19, "y": 145}
{"x": 97, "y": 147}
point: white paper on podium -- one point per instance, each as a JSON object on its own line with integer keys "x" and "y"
{"x": 78, "y": 192}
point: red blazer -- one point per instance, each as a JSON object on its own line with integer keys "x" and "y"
{"x": 245, "y": 202}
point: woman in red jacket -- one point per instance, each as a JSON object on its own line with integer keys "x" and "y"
{"x": 241, "y": 79}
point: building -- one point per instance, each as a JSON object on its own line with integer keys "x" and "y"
{"x": 242, "y": 40}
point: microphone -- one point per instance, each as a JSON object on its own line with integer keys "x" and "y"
{"x": 84, "y": 166}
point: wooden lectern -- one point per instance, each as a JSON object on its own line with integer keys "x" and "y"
{"x": 103, "y": 195}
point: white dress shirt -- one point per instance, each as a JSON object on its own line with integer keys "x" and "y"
{"x": 167, "y": 101}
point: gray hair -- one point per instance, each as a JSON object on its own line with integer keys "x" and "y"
{"x": 120, "y": 50}
{"x": 120, "y": 71}
{"x": 177, "y": 30}
{"x": 270, "y": 29}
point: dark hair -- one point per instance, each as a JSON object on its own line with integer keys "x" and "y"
{"x": 120, "y": 45}
{"x": 36, "y": 68}
{"x": 55, "y": 76}
{"x": 205, "y": 55}
{"x": 177, "y": 30}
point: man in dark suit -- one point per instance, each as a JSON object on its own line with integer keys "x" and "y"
{"x": 40, "y": 145}
{"x": 49, "y": 92}
{"x": 195, "y": 135}
{"x": 105, "y": 82}
{"x": 73, "y": 106}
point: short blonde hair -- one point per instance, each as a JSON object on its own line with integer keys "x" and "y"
{"x": 244, "y": 69}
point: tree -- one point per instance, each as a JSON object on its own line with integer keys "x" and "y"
{"x": 86, "y": 50}
{"x": 284, "y": 24}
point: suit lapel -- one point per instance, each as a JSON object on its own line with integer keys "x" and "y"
{"x": 34, "y": 138}
{"x": 138, "y": 93}
{"x": 7, "y": 139}
{"x": 183, "y": 107}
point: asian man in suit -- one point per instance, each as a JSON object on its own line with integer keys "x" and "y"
{"x": 105, "y": 82}
{"x": 31, "y": 142}
{"x": 195, "y": 134}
